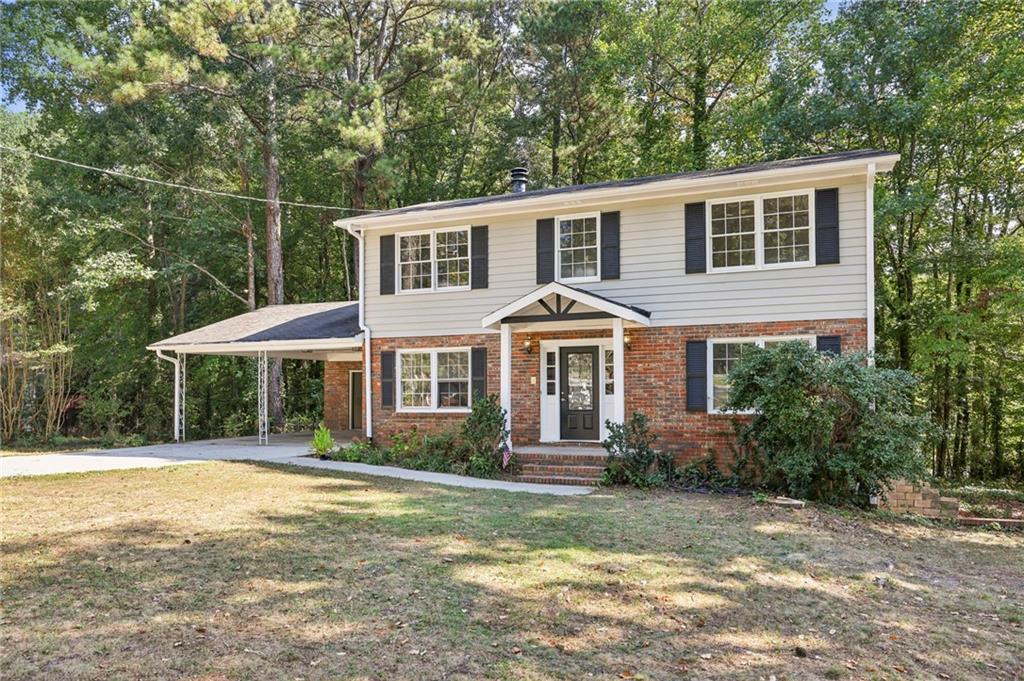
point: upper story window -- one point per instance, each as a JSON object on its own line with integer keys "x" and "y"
{"x": 578, "y": 248}
{"x": 765, "y": 231}
{"x": 435, "y": 260}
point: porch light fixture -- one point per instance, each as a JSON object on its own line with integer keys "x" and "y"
{"x": 528, "y": 345}
{"x": 625, "y": 341}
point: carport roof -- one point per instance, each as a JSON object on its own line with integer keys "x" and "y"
{"x": 280, "y": 330}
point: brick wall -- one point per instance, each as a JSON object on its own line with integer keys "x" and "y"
{"x": 919, "y": 500}
{"x": 655, "y": 375}
{"x": 336, "y": 393}
{"x": 387, "y": 420}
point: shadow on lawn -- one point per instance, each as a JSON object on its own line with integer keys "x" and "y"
{"x": 426, "y": 582}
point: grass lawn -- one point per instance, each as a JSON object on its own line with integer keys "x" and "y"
{"x": 247, "y": 571}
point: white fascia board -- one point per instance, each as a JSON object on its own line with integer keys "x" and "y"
{"x": 253, "y": 347}
{"x": 493, "y": 320}
{"x": 580, "y": 199}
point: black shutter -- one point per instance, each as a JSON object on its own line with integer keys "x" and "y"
{"x": 697, "y": 375}
{"x": 830, "y": 344}
{"x": 696, "y": 231}
{"x": 545, "y": 250}
{"x": 478, "y": 255}
{"x": 387, "y": 264}
{"x": 478, "y": 370}
{"x": 387, "y": 378}
{"x": 610, "y": 245}
{"x": 826, "y": 226}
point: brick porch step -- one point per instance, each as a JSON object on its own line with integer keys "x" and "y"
{"x": 561, "y": 464}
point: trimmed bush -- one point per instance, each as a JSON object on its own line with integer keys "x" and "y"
{"x": 831, "y": 429}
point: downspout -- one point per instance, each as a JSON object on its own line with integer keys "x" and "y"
{"x": 177, "y": 397}
{"x": 367, "y": 366}
{"x": 869, "y": 208}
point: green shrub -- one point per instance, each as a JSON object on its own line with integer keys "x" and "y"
{"x": 485, "y": 438}
{"x": 705, "y": 474}
{"x": 832, "y": 429}
{"x": 323, "y": 443}
{"x": 632, "y": 458}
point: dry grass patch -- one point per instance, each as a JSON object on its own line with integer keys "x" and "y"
{"x": 246, "y": 571}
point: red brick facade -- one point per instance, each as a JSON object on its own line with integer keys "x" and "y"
{"x": 336, "y": 393}
{"x": 655, "y": 375}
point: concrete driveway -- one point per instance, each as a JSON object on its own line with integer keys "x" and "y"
{"x": 283, "y": 446}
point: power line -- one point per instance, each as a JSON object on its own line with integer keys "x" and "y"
{"x": 175, "y": 185}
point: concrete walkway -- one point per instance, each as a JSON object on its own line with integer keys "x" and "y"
{"x": 290, "y": 448}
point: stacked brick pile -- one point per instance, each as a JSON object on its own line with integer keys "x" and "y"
{"x": 905, "y": 497}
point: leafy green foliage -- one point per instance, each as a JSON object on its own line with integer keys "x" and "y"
{"x": 632, "y": 458}
{"x": 476, "y": 448}
{"x": 831, "y": 429}
{"x": 322, "y": 443}
{"x": 485, "y": 436}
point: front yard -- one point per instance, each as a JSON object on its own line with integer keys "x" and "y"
{"x": 233, "y": 570}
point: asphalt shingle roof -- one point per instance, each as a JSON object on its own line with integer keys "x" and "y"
{"x": 635, "y": 181}
{"x": 303, "y": 321}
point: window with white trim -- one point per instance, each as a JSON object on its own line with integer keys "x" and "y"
{"x": 578, "y": 248}
{"x": 434, "y": 261}
{"x": 733, "y": 234}
{"x": 763, "y": 231}
{"x": 724, "y": 356}
{"x": 432, "y": 380}
{"x": 787, "y": 229}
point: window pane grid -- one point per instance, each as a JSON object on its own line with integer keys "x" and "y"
{"x": 609, "y": 372}
{"x": 724, "y": 357}
{"x": 452, "y": 253}
{"x": 732, "y": 234}
{"x": 416, "y": 268}
{"x": 577, "y": 247}
{"x": 787, "y": 229}
{"x": 416, "y": 379}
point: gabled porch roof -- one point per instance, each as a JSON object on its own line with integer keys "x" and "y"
{"x": 560, "y": 303}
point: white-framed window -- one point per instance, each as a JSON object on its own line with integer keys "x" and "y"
{"x": 436, "y": 260}
{"x": 578, "y": 244}
{"x": 434, "y": 380}
{"x": 725, "y": 353}
{"x": 763, "y": 231}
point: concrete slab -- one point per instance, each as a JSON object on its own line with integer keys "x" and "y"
{"x": 154, "y": 456}
{"x": 290, "y": 448}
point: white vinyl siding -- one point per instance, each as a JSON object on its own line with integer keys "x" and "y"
{"x": 652, "y": 274}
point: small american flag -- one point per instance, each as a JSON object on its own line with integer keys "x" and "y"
{"x": 506, "y": 456}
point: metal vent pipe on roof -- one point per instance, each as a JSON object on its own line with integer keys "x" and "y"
{"x": 519, "y": 176}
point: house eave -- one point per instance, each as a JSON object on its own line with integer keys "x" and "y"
{"x": 586, "y": 197}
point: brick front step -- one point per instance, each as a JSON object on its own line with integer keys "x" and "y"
{"x": 562, "y": 459}
{"x": 550, "y": 469}
{"x": 557, "y": 480}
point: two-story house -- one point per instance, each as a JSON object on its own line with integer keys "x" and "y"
{"x": 581, "y": 304}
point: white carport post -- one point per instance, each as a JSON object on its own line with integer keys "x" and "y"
{"x": 261, "y": 397}
{"x": 179, "y": 393}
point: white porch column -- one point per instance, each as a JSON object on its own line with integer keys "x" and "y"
{"x": 179, "y": 403}
{"x": 619, "y": 354}
{"x": 505, "y": 394}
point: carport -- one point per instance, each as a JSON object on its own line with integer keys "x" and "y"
{"x": 328, "y": 332}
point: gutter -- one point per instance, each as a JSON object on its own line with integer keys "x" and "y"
{"x": 367, "y": 366}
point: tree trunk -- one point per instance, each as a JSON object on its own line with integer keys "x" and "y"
{"x": 556, "y": 141}
{"x": 275, "y": 264}
{"x": 250, "y": 250}
{"x": 699, "y": 115}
